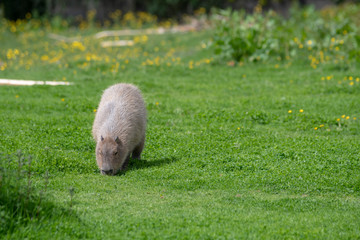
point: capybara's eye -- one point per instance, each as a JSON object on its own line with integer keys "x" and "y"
{"x": 115, "y": 153}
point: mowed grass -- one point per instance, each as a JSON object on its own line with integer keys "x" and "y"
{"x": 259, "y": 151}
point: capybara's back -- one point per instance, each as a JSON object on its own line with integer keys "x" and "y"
{"x": 119, "y": 127}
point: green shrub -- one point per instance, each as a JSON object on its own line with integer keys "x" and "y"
{"x": 238, "y": 35}
{"x": 329, "y": 35}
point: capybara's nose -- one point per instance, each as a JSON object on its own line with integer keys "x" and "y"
{"x": 107, "y": 172}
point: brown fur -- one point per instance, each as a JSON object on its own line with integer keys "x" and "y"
{"x": 119, "y": 127}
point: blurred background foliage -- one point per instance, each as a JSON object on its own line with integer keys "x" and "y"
{"x": 254, "y": 31}
{"x": 163, "y": 9}
{"x": 329, "y": 35}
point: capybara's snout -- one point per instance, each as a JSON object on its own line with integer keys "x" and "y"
{"x": 107, "y": 172}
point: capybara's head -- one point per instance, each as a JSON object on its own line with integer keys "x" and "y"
{"x": 110, "y": 155}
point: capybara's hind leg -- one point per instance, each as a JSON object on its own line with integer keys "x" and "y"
{"x": 138, "y": 149}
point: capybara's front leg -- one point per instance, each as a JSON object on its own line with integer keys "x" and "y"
{"x": 126, "y": 163}
{"x": 138, "y": 149}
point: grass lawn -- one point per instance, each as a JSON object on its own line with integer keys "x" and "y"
{"x": 258, "y": 151}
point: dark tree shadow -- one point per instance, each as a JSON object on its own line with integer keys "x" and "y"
{"x": 135, "y": 164}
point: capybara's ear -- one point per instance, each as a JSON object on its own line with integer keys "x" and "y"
{"x": 118, "y": 141}
{"x": 101, "y": 138}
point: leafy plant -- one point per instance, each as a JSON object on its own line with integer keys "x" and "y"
{"x": 239, "y": 35}
{"x": 320, "y": 36}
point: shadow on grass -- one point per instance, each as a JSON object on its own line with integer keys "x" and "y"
{"x": 24, "y": 205}
{"x": 140, "y": 164}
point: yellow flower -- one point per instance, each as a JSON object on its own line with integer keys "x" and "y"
{"x": 276, "y": 65}
{"x": 12, "y": 28}
{"x": 322, "y": 125}
{"x": 309, "y": 42}
{"x": 342, "y": 116}
{"x": 157, "y": 61}
{"x": 301, "y": 110}
{"x": 191, "y": 64}
{"x": 322, "y": 78}
{"x": 78, "y": 45}
{"x": 157, "y": 103}
{"x": 354, "y": 118}
{"x": 63, "y": 99}
{"x": 44, "y": 58}
{"x": 351, "y": 78}
{"x": 358, "y": 79}
{"x": 94, "y": 110}
{"x": 347, "y": 118}
{"x": 289, "y": 111}
{"x": 328, "y": 77}
{"x": 149, "y": 62}
{"x": 17, "y": 96}
{"x": 351, "y": 83}
{"x": 338, "y": 119}
{"x": 316, "y": 128}
{"x": 136, "y": 39}
{"x": 144, "y": 38}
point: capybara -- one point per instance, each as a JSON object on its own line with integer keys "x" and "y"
{"x": 119, "y": 127}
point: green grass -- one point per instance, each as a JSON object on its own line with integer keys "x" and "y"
{"x": 224, "y": 159}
